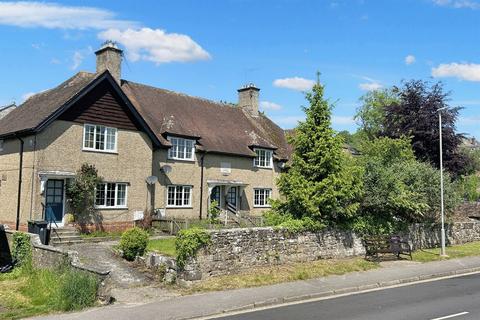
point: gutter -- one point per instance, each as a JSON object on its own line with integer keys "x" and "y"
{"x": 19, "y": 195}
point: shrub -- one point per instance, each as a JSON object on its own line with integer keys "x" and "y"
{"x": 77, "y": 290}
{"x": 468, "y": 187}
{"x": 188, "y": 242}
{"x": 214, "y": 212}
{"x": 133, "y": 243}
{"x": 21, "y": 248}
{"x": 287, "y": 222}
{"x": 69, "y": 218}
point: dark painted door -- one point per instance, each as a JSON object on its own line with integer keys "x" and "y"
{"x": 54, "y": 199}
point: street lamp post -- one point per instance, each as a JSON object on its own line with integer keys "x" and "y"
{"x": 441, "y": 181}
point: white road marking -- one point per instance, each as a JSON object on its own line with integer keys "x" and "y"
{"x": 451, "y": 316}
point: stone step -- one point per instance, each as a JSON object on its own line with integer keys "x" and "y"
{"x": 66, "y": 237}
{"x": 69, "y": 242}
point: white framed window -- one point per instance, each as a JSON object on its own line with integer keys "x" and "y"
{"x": 2, "y": 144}
{"x": 99, "y": 138}
{"x": 181, "y": 149}
{"x": 179, "y": 196}
{"x": 264, "y": 158}
{"x": 111, "y": 195}
{"x": 261, "y": 196}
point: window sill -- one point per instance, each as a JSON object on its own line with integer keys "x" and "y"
{"x": 262, "y": 207}
{"x": 111, "y": 208}
{"x": 182, "y": 160}
{"x": 179, "y": 207}
{"x": 259, "y": 167}
{"x": 99, "y": 151}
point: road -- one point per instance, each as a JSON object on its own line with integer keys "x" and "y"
{"x": 454, "y": 298}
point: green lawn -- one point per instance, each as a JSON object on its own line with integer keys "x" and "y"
{"x": 164, "y": 246}
{"x": 458, "y": 251}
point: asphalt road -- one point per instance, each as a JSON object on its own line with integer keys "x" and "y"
{"x": 454, "y": 298}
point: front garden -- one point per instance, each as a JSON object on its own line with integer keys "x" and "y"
{"x": 28, "y": 291}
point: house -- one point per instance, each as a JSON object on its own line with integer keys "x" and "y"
{"x": 155, "y": 150}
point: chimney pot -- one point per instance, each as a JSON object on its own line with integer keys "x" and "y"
{"x": 109, "y": 57}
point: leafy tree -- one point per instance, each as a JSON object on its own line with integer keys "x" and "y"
{"x": 370, "y": 115}
{"x": 321, "y": 183}
{"x": 81, "y": 194}
{"x": 415, "y": 115}
{"x": 398, "y": 189}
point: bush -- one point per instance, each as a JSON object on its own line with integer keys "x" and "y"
{"x": 133, "y": 243}
{"x": 468, "y": 187}
{"x": 188, "y": 242}
{"x": 21, "y": 248}
{"x": 214, "y": 212}
{"x": 77, "y": 290}
{"x": 287, "y": 222}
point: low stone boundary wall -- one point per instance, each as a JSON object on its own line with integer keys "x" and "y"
{"x": 235, "y": 250}
{"x": 44, "y": 256}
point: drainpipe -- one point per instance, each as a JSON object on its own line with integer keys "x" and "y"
{"x": 17, "y": 225}
{"x": 201, "y": 184}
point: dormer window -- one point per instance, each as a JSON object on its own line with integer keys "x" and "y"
{"x": 182, "y": 149}
{"x": 99, "y": 138}
{"x": 263, "y": 158}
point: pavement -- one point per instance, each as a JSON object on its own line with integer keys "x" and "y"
{"x": 453, "y": 298}
{"x": 222, "y": 302}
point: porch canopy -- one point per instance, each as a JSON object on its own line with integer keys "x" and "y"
{"x": 229, "y": 193}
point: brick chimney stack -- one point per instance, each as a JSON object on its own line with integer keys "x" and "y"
{"x": 248, "y": 98}
{"x": 109, "y": 57}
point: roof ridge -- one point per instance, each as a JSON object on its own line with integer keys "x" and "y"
{"x": 220, "y": 104}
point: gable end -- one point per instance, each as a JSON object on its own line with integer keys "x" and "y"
{"x": 102, "y": 106}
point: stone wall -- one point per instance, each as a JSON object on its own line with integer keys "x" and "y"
{"x": 235, "y": 250}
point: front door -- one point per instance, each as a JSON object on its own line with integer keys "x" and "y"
{"x": 54, "y": 200}
{"x": 232, "y": 198}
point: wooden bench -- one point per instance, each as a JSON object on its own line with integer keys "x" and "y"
{"x": 381, "y": 245}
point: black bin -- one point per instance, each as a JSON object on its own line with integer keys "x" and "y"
{"x": 40, "y": 228}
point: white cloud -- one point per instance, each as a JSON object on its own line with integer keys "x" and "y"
{"x": 55, "y": 61}
{"x": 288, "y": 121}
{"x": 77, "y": 60}
{"x": 458, "y": 4}
{"x": 267, "y": 105}
{"x": 469, "y": 121}
{"x": 57, "y": 16}
{"x": 342, "y": 120}
{"x": 28, "y": 95}
{"x": 156, "y": 45}
{"x": 295, "y": 83}
{"x": 410, "y": 59}
{"x": 463, "y": 71}
{"x": 370, "y": 86}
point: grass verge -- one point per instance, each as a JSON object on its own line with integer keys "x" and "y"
{"x": 271, "y": 275}
{"x": 457, "y": 251}
{"x": 164, "y": 246}
{"x": 27, "y": 292}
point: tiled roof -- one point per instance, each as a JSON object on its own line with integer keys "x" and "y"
{"x": 218, "y": 127}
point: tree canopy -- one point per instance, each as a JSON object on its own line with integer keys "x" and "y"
{"x": 321, "y": 183}
{"x": 416, "y": 116}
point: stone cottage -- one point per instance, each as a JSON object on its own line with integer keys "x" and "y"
{"x": 155, "y": 150}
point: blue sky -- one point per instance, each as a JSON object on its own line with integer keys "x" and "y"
{"x": 210, "y": 48}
